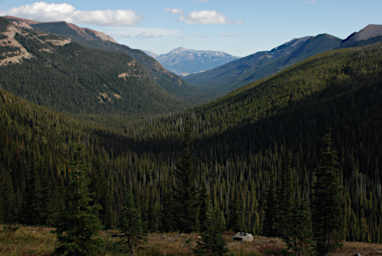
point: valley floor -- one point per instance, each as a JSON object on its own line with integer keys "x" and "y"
{"x": 40, "y": 241}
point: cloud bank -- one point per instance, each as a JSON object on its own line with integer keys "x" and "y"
{"x": 43, "y": 11}
{"x": 201, "y": 17}
{"x": 204, "y": 17}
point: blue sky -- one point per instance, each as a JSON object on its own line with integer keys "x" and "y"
{"x": 239, "y": 27}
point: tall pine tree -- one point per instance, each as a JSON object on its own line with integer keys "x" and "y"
{"x": 78, "y": 224}
{"x": 211, "y": 242}
{"x": 299, "y": 237}
{"x": 286, "y": 201}
{"x": 327, "y": 201}
{"x": 271, "y": 208}
{"x": 185, "y": 190}
{"x": 131, "y": 226}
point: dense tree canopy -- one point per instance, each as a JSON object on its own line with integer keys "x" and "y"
{"x": 242, "y": 144}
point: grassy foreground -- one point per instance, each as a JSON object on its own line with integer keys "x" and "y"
{"x": 40, "y": 241}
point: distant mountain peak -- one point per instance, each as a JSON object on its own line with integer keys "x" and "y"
{"x": 179, "y": 50}
{"x": 372, "y": 26}
{"x": 368, "y": 32}
{"x": 185, "y": 61}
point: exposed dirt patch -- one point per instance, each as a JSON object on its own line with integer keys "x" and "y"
{"x": 103, "y": 97}
{"x": 59, "y": 42}
{"x": 10, "y": 41}
{"x": 117, "y": 96}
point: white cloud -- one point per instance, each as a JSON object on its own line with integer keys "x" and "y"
{"x": 174, "y": 10}
{"x": 204, "y": 17}
{"x": 201, "y": 17}
{"x": 43, "y": 11}
{"x": 143, "y": 32}
{"x": 107, "y": 17}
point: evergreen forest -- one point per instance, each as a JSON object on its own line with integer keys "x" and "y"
{"x": 273, "y": 153}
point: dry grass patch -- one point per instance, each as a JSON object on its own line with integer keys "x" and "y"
{"x": 26, "y": 241}
{"x": 40, "y": 241}
{"x": 365, "y": 249}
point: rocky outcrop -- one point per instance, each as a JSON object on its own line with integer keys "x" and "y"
{"x": 243, "y": 237}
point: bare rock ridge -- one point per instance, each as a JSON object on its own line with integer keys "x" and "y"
{"x": 14, "y": 52}
{"x": 68, "y": 29}
{"x": 369, "y": 32}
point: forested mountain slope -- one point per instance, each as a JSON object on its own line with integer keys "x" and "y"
{"x": 248, "y": 136}
{"x": 240, "y": 72}
{"x": 54, "y": 71}
{"x": 242, "y": 144}
{"x": 98, "y": 40}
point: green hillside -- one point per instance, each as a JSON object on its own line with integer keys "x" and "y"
{"x": 68, "y": 77}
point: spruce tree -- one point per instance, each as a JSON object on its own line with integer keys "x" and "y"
{"x": 271, "y": 210}
{"x": 211, "y": 242}
{"x": 286, "y": 201}
{"x": 132, "y": 232}
{"x": 185, "y": 191}
{"x": 327, "y": 201}
{"x": 78, "y": 224}
{"x": 168, "y": 212}
{"x": 7, "y": 197}
{"x": 299, "y": 237}
{"x": 204, "y": 204}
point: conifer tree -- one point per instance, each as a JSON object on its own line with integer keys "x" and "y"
{"x": 299, "y": 237}
{"x": 7, "y": 197}
{"x": 167, "y": 212}
{"x": 205, "y": 200}
{"x": 271, "y": 210}
{"x": 186, "y": 194}
{"x": 33, "y": 212}
{"x": 77, "y": 225}
{"x": 327, "y": 201}
{"x": 286, "y": 201}
{"x": 132, "y": 230}
{"x": 211, "y": 242}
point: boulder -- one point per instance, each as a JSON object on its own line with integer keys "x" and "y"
{"x": 242, "y": 236}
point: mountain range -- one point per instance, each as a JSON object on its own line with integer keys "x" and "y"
{"x": 45, "y": 47}
{"x": 111, "y": 78}
{"x": 235, "y": 74}
{"x": 183, "y": 61}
